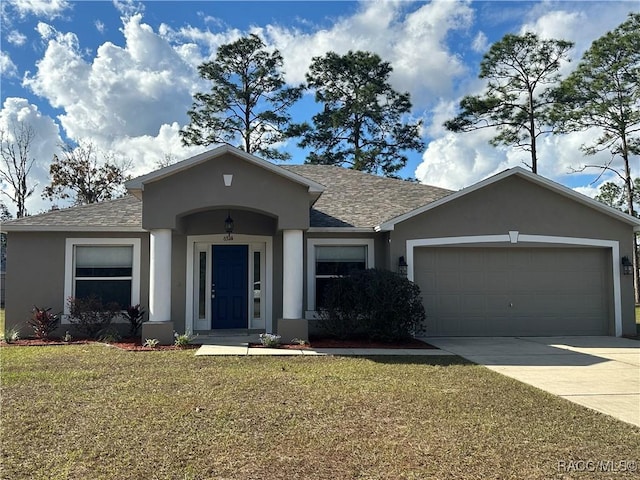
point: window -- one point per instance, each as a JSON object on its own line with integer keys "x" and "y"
{"x": 329, "y": 259}
{"x": 106, "y": 268}
{"x": 336, "y": 261}
{"x": 202, "y": 285}
{"x": 257, "y": 285}
{"x": 104, "y": 272}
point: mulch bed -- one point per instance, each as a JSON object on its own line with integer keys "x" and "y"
{"x": 136, "y": 344}
{"x": 124, "y": 344}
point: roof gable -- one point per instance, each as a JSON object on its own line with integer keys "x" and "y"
{"x": 136, "y": 185}
{"x": 522, "y": 173}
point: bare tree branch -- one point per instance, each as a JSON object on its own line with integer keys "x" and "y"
{"x": 16, "y": 164}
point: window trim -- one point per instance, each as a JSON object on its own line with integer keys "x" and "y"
{"x": 69, "y": 263}
{"x": 333, "y": 242}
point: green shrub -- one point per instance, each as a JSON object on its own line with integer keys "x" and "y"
{"x": 12, "y": 335}
{"x": 109, "y": 335}
{"x": 43, "y": 322}
{"x": 182, "y": 340}
{"x": 270, "y": 340}
{"x": 151, "y": 342}
{"x": 374, "y": 305}
{"x": 90, "y": 315}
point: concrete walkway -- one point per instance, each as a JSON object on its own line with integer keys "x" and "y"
{"x": 247, "y": 350}
{"x": 601, "y": 373}
{"x": 239, "y": 345}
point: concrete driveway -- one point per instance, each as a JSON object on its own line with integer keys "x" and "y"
{"x": 601, "y": 373}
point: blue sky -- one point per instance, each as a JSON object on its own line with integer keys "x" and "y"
{"x": 122, "y": 74}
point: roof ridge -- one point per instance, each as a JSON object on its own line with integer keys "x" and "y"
{"x": 372, "y": 176}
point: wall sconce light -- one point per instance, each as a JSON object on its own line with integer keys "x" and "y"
{"x": 402, "y": 266}
{"x": 627, "y": 266}
{"x": 228, "y": 227}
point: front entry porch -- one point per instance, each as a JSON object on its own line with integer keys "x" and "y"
{"x": 229, "y": 283}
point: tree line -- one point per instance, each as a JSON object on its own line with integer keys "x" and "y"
{"x": 364, "y": 124}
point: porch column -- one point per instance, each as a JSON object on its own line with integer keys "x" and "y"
{"x": 293, "y": 324}
{"x": 159, "y": 325}
{"x": 292, "y": 274}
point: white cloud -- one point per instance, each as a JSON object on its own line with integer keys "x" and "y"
{"x": 588, "y": 190}
{"x": 413, "y": 43}
{"x": 41, "y": 8}
{"x": 45, "y": 145}
{"x": 550, "y": 20}
{"x": 16, "y": 38}
{"x": 480, "y": 43}
{"x": 7, "y": 67}
{"x": 128, "y": 8}
{"x": 456, "y": 161}
{"x": 123, "y": 92}
{"x": 555, "y": 24}
{"x": 100, "y": 26}
{"x": 146, "y": 151}
{"x": 190, "y": 42}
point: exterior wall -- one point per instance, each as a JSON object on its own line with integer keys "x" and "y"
{"x": 383, "y": 252}
{"x": 202, "y": 187}
{"x": 516, "y": 204}
{"x": 212, "y": 221}
{"x": 36, "y": 269}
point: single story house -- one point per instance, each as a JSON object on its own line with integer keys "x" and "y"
{"x": 226, "y": 241}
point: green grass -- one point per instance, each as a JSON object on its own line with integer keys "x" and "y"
{"x": 2, "y": 322}
{"x": 91, "y": 411}
{"x": 638, "y": 314}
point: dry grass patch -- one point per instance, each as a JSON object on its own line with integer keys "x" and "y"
{"x": 77, "y": 412}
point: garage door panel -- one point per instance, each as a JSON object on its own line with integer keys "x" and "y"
{"x": 497, "y": 282}
{"x": 470, "y": 261}
{"x": 473, "y": 281}
{"x": 472, "y": 304}
{"x": 524, "y": 303}
{"x": 495, "y": 260}
{"x": 448, "y": 281}
{"x": 448, "y": 305}
{"x": 496, "y": 304}
{"x": 518, "y": 260}
{"x": 515, "y": 291}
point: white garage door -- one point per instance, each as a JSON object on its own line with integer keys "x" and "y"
{"x": 515, "y": 291}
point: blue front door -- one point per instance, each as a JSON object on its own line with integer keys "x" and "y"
{"x": 230, "y": 286}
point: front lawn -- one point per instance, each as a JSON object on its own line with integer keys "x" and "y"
{"x": 95, "y": 412}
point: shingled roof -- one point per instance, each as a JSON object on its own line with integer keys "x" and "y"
{"x": 356, "y": 199}
{"x": 351, "y": 199}
{"x": 122, "y": 214}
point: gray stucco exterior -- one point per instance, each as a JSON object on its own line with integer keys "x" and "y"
{"x": 272, "y": 206}
{"x": 517, "y": 204}
{"x": 36, "y": 272}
